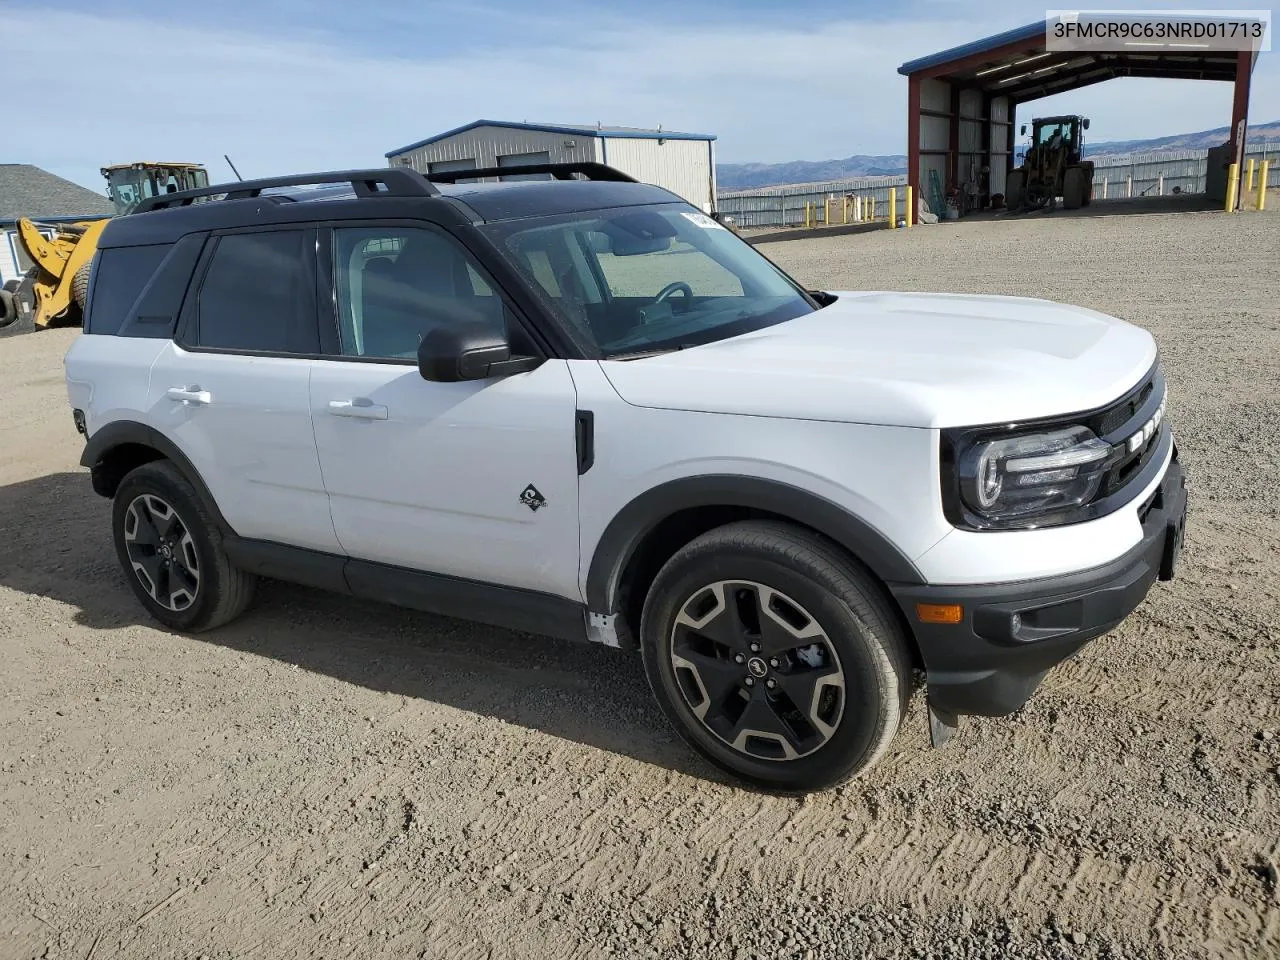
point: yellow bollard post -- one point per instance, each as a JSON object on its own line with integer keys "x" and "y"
{"x": 910, "y": 213}
{"x": 808, "y": 222}
{"x": 1104, "y": 188}
{"x": 1248, "y": 175}
{"x": 893, "y": 208}
{"x": 872, "y": 214}
{"x": 1233, "y": 187}
{"x": 1262, "y": 184}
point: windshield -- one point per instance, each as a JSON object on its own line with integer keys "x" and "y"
{"x": 129, "y": 186}
{"x": 634, "y": 280}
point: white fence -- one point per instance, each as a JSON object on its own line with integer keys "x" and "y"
{"x": 1138, "y": 175}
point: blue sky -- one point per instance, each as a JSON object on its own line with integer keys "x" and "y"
{"x": 288, "y": 85}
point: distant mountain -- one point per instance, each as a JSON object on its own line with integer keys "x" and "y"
{"x": 1182, "y": 141}
{"x": 744, "y": 176}
{"x": 748, "y": 176}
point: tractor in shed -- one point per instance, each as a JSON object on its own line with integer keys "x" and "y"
{"x": 1053, "y": 167}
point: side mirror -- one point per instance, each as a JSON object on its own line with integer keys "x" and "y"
{"x": 449, "y": 354}
{"x": 1024, "y": 131}
{"x": 1086, "y": 123}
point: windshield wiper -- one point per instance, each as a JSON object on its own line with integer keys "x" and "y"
{"x": 651, "y": 352}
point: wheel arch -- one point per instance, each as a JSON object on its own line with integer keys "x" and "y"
{"x": 120, "y": 446}
{"x": 657, "y": 523}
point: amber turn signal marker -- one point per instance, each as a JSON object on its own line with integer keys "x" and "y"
{"x": 939, "y": 612}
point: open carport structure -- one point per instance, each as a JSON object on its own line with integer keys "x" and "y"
{"x": 962, "y": 102}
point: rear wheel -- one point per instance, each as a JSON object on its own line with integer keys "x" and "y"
{"x": 1013, "y": 187}
{"x": 775, "y": 657}
{"x": 171, "y": 551}
{"x": 8, "y": 308}
{"x": 1074, "y": 188}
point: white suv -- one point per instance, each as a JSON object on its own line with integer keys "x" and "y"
{"x": 580, "y": 407}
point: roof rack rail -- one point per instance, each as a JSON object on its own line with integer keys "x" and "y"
{"x": 393, "y": 181}
{"x": 560, "y": 171}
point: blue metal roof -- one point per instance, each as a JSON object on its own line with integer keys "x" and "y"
{"x": 612, "y": 133}
{"x": 994, "y": 42}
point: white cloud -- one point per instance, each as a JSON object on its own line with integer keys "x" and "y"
{"x": 307, "y": 100}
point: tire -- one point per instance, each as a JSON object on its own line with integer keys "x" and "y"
{"x": 843, "y": 652}
{"x": 80, "y": 286}
{"x": 215, "y": 591}
{"x": 1013, "y": 187}
{"x": 8, "y": 308}
{"x": 1074, "y": 188}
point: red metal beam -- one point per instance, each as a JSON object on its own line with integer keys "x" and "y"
{"x": 1240, "y": 103}
{"x": 913, "y": 133}
{"x": 953, "y": 141}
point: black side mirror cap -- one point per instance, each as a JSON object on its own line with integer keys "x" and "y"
{"x": 453, "y": 353}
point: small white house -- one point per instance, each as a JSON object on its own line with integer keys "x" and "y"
{"x": 28, "y": 191}
{"x": 683, "y": 163}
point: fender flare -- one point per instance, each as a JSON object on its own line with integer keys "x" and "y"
{"x": 642, "y": 515}
{"x": 121, "y": 432}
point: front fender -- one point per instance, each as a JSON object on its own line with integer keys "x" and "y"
{"x": 642, "y": 515}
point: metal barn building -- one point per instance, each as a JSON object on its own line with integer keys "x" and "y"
{"x": 683, "y": 163}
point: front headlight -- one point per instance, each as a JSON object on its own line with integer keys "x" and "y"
{"x": 1014, "y": 481}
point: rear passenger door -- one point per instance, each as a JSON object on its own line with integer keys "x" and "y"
{"x": 232, "y": 388}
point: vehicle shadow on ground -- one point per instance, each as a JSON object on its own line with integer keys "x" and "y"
{"x": 55, "y": 542}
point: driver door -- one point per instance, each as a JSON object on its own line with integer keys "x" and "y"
{"x": 476, "y": 480}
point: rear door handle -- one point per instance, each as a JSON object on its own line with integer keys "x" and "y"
{"x": 362, "y": 408}
{"x": 192, "y": 394}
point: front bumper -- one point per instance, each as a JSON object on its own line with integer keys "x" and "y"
{"x": 1012, "y": 634}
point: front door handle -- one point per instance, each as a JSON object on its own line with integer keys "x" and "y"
{"x": 362, "y": 408}
{"x": 188, "y": 395}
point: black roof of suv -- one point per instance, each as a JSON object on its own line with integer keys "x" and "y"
{"x": 357, "y": 193}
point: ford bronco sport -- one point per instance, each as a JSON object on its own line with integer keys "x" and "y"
{"x": 580, "y": 407}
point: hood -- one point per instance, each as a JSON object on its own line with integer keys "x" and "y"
{"x": 904, "y": 359}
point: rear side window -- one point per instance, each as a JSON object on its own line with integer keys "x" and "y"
{"x": 257, "y": 295}
{"x": 119, "y": 276}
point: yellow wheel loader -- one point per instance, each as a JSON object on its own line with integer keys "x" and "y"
{"x": 54, "y": 290}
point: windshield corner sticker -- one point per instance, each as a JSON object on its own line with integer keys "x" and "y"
{"x": 702, "y": 220}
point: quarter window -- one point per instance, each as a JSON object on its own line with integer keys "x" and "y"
{"x": 119, "y": 276}
{"x": 392, "y": 284}
{"x": 256, "y": 296}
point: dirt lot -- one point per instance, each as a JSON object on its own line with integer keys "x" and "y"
{"x": 327, "y": 778}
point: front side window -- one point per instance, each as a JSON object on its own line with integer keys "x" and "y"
{"x": 392, "y": 284}
{"x": 256, "y": 295}
{"x": 639, "y": 279}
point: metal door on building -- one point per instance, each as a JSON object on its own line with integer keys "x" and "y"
{"x": 524, "y": 159}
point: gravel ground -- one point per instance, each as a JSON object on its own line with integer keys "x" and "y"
{"x": 326, "y": 778}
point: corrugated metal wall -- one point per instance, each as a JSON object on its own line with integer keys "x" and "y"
{"x": 999, "y": 146}
{"x": 681, "y": 166}
{"x": 484, "y": 145}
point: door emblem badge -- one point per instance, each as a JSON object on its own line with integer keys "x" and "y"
{"x": 532, "y": 499}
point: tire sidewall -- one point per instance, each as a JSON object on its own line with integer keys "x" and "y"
{"x": 870, "y": 693}
{"x": 158, "y": 479}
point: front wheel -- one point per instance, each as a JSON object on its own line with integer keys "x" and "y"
{"x": 775, "y": 656}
